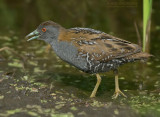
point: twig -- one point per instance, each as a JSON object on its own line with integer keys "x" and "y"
{"x": 138, "y": 34}
{"x": 13, "y": 51}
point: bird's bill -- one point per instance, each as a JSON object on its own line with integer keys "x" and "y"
{"x": 33, "y": 35}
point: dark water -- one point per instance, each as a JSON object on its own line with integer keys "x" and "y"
{"x": 35, "y": 82}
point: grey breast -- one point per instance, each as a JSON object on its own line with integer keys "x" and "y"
{"x": 69, "y": 53}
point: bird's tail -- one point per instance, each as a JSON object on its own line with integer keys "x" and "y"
{"x": 140, "y": 56}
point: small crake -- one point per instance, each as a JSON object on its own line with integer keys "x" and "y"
{"x": 89, "y": 50}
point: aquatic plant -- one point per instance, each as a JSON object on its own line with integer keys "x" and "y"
{"x": 147, "y": 10}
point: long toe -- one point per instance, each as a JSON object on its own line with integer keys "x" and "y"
{"x": 117, "y": 93}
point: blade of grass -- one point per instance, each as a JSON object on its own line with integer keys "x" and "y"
{"x": 147, "y": 9}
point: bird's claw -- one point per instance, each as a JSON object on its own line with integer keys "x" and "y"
{"x": 117, "y": 93}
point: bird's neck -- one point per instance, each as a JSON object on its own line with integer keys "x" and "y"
{"x": 64, "y": 50}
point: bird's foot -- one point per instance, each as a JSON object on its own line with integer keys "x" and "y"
{"x": 117, "y": 93}
{"x": 93, "y": 94}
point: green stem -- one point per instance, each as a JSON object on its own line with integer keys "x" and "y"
{"x": 147, "y": 9}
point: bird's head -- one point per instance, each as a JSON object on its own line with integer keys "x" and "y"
{"x": 46, "y": 31}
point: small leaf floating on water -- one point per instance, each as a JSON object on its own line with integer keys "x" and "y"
{"x": 34, "y": 90}
{"x": 158, "y": 66}
{"x": 73, "y": 108}
{"x": 1, "y": 97}
{"x": 16, "y": 64}
{"x": 53, "y": 94}
{"x": 116, "y": 112}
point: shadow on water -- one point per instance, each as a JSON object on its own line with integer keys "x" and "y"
{"x": 34, "y": 82}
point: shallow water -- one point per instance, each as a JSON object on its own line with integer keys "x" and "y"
{"x": 35, "y": 82}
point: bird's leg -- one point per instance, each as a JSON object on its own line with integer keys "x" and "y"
{"x": 117, "y": 90}
{"x": 96, "y": 86}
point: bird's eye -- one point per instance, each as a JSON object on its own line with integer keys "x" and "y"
{"x": 43, "y": 29}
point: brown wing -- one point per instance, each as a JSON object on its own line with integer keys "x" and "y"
{"x": 100, "y": 46}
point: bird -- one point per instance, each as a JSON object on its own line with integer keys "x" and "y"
{"x": 91, "y": 51}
